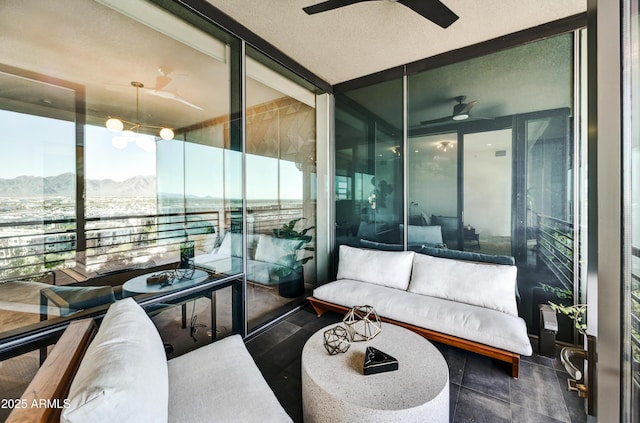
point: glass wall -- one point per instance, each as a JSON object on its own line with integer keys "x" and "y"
{"x": 38, "y": 177}
{"x": 116, "y": 166}
{"x": 489, "y": 165}
{"x": 123, "y": 168}
{"x": 369, "y": 158}
{"x": 280, "y": 190}
{"x": 631, "y": 352}
{"x": 499, "y": 127}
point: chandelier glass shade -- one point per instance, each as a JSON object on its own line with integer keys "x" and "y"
{"x": 130, "y": 131}
{"x": 445, "y": 145}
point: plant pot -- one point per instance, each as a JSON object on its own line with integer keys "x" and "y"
{"x": 292, "y": 285}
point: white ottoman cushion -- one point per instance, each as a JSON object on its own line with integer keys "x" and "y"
{"x": 235, "y": 391}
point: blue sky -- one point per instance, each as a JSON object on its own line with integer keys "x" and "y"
{"x": 38, "y": 146}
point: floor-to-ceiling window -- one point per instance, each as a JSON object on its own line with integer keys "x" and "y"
{"x": 489, "y": 165}
{"x": 119, "y": 157}
{"x": 494, "y": 158}
{"x": 631, "y": 163}
{"x": 281, "y": 194}
{"x": 125, "y": 158}
{"x": 369, "y": 158}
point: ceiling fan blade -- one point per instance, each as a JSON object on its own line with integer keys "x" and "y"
{"x": 434, "y": 121}
{"x": 433, "y": 10}
{"x": 329, "y": 5}
{"x": 170, "y": 96}
{"x": 162, "y": 81}
{"x": 448, "y": 120}
{"x": 185, "y": 102}
{"x": 469, "y": 106}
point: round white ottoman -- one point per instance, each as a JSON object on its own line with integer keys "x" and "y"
{"x": 334, "y": 388}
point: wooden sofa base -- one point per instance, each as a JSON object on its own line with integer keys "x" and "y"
{"x": 513, "y": 359}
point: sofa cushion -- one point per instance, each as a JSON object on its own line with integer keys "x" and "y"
{"x": 423, "y": 235}
{"x": 467, "y": 255}
{"x": 123, "y": 376}
{"x": 231, "y": 245}
{"x": 277, "y": 250}
{"x": 375, "y": 245}
{"x": 461, "y": 320}
{"x": 486, "y": 285}
{"x": 387, "y": 268}
{"x": 235, "y": 392}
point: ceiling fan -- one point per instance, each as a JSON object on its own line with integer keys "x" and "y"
{"x": 461, "y": 111}
{"x": 433, "y": 10}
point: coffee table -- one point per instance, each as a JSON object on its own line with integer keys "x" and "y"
{"x": 334, "y": 388}
{"x": 139, "y": 285}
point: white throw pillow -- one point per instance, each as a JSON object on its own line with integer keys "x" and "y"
{"x": 277, "y": 250}
{"x": 123, "y": 376}
{"x": 486, "y": 285}
{"x": 386, "y": 268}
{"x": 231, "y": 245}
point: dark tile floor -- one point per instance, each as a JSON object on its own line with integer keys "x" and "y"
{"x": 481, "y": 389}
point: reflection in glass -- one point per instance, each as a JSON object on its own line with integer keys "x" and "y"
{"x": 369, "y": 160}
{"x": 280, "y": 191}
{"x": 487, "y": 192}
{"x": 108, "y": 203}
{"x": 632, "y": 233}
{"x": 433, "y": 195}
{"x": 38, "y": 171}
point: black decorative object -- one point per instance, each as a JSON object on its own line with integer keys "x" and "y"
{"x": 157, "y": 279}
{"x": 336, "y": 340}
{"x": 376, "y": 361}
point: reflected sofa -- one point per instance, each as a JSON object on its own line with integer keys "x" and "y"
{"x": 266, "y": 254}
{"x": 468, "y": 300}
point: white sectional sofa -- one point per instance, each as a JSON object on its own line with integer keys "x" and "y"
{"x": 123, "y": 376}
{"x": 465, "y": 303}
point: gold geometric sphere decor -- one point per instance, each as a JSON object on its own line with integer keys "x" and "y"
{"x": 336, "y": 340}
{"x": 363, "y": 323}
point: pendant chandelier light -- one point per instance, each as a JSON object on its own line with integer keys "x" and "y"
{"x": 131, "y": 132}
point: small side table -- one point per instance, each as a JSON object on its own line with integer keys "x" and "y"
{"x": 334, "y": 388}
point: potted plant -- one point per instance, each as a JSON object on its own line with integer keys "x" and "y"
{"x": 574, "y": 312}
{"x": 290, "y": 269}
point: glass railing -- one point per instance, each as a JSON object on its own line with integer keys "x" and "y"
{"x": 112, "y": 243}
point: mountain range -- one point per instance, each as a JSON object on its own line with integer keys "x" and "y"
{"x": 63, "y": 185}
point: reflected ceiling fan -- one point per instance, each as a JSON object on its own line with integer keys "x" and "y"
{"x": 461, "y": 111}
{"x": 433, "y": 10}
{"x": 167, "y": 86}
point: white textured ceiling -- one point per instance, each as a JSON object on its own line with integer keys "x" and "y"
{"x": 364, "y": 38}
